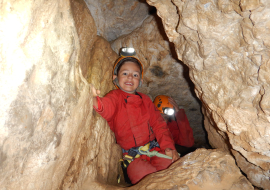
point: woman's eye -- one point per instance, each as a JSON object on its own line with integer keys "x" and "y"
{"x": 135, "y": 75}
{"x": 124, "y": 73}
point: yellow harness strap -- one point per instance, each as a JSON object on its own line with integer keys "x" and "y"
{"x": 145, "y": 147}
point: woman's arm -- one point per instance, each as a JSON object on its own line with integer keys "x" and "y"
{"x": 106, "y": 106}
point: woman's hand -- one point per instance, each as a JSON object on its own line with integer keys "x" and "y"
{"x": 95, "y": 93}
{"x": 172, "y": 153}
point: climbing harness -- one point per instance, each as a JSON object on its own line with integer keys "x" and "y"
{"x": 136, "y": 152}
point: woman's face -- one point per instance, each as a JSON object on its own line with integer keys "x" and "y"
{"x": 129, "y": 77}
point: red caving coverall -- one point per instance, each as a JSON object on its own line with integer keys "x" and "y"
{"x": 135, "y": 121}
{"x": 181, "y": 131}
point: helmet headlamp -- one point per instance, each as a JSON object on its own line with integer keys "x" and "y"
{"x": 168, "y": 111}
{"x": 163, "y": 105}
{"x": 127, "y": 51}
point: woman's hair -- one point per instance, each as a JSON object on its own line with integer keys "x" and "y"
{"x": 128, "y": 59}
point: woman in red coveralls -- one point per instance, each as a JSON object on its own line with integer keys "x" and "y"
{"x": 135, "y": 121}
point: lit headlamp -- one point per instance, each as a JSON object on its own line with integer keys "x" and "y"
{"x": 168, "y": 111}
{"x": 127, "y": 51}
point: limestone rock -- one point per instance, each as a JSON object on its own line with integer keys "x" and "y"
{"x": 216, "y": 137}
{"x": 49, "y": 136}
{"x": 226, "y": 48}
{"x": 86, "y": 31}
{"x": 202, "y": 169}
{"x": 255, "y": 174}
{"x": 115, "y": 18}
{"x": 163, "y": 72}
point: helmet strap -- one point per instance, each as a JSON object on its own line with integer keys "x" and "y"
{"x": 140, "y": 84}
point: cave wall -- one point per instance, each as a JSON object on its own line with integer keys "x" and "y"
{"x": 225, "y": 44}
{"x": 49, "y": 136}
{"x": 116, "y": 18}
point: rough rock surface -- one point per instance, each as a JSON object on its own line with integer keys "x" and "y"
{"x": 115, "y": 18}
{"x": 225, "y": 44}
{"x": 49, "y": 137}
{"x": 199, "y": 170}
{"x": 256, "y": 175}
{"x": 163, "y": 73}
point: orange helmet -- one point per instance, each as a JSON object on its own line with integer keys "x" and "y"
{"x": 122, "y": 59}
{"x": 163, "y": 105}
